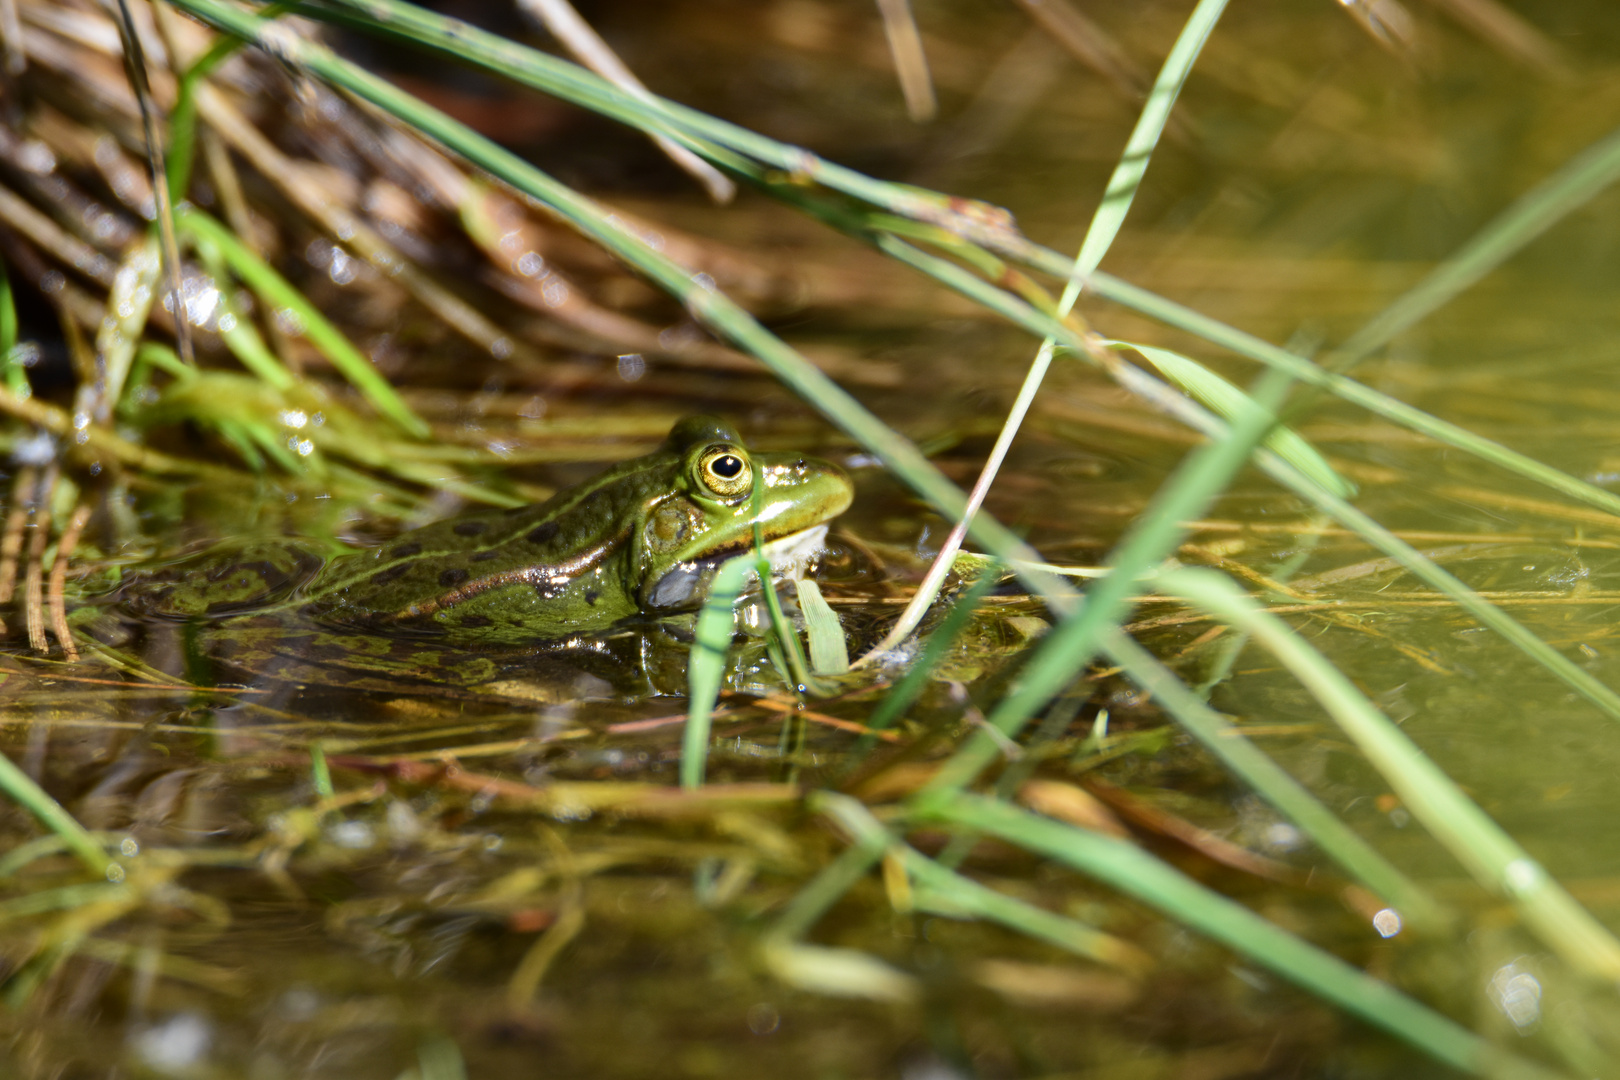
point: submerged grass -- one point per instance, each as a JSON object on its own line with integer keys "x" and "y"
{"x": 972, "y": 249}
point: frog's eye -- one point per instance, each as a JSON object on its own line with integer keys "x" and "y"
{"x": 724, "y": 471}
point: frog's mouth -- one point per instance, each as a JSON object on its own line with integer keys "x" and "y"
{"x": 686, "y": 584}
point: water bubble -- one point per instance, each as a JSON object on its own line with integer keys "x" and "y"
{"x": 1518, "y": 994}
{"x": 632, "y": 366}
{"x": 343, "y": 267}
{"x": 1281, "y": 836}
{"x": 129, "y": 847}
{"x": 289, "y": 322}
{"x": 763, "y": 1018}
{"x": 115, "y": 873}
{"x": 530, "y": 264}
{"x": 355, "y": 835}
{"x": 294, "y": 418}
{"x": 180, "y": 1043}
{"x": 1387, "y": 922}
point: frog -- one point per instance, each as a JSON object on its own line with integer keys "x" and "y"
{"x": 641, "y": 540}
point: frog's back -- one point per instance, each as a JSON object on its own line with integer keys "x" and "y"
{"x": 225, "y": 580}
{"x": 529, "y": 572}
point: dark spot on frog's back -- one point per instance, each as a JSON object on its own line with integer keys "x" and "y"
{"x": 393, "y": 573}
{"x": 485, "y": 556}
{"x": 543, "y": 534}
{"x": 405, "y": 551}
{"x": 476, "y": 622}
{"x": 591, "y": 596}
{"x": 453, "y": 577}
{"x": 472, "y": 528}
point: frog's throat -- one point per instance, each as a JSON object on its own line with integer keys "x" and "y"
{"x": 554, "y": 573}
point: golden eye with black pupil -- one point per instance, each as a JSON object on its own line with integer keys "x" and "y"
{"x": 724, "y": 471}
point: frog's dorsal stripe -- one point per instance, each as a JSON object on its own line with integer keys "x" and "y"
{"x": 554, "y": 573}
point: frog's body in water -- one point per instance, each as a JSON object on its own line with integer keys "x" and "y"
{"x": 643, "y": 537}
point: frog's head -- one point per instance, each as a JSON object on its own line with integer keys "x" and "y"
{"x": 709, "y": 514}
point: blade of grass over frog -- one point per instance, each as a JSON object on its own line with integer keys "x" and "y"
{"x": 1217, "y": 333}
{"x": 828, "y": 653}
{"x": 1554, "y": 198}
{"x": 1228, "y": 744}
{"x": 277, "y": 294}
{"x": 1494, "y": 859}
{"x": 1072, "y": 643}
{"x": 31, "y": 797}
{"x": 705, "y": 665}
{"x": 787, "y": 635}
{"x": 711, "y": 309}
{"x": 1138, "y": 874}
{"x": 1230, "y": 402}
{"x": 1105, "y": 224}
{"x": 971, "y": 899}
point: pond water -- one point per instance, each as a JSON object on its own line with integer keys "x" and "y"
{"x": 338, "y": 861}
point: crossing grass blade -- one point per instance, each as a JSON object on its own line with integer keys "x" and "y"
{"x": 1228, "y": 401}
{"x": 1496, "y": 861}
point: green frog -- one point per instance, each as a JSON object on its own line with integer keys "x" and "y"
{"x": 643, "y": 538}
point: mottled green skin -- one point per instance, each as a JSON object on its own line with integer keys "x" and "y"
{"x": 638, "y": 538}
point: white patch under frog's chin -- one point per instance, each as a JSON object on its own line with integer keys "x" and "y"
{"x": 790, "y": 556}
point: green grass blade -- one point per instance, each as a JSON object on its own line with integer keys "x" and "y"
{"x": 1228, "y": 401}
{"x": 706, "y": 664}
{"x": 1136, "y": 873}
{"x": 1227, "y": 743}
{"x": 1127, "y": 177}
{"x": 277, "y": 293}
{"x": 31, "y": 797}
{"x": 1496, "y": 861}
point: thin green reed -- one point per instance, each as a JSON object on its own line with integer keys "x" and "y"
{"x": 1072, "y": 644}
